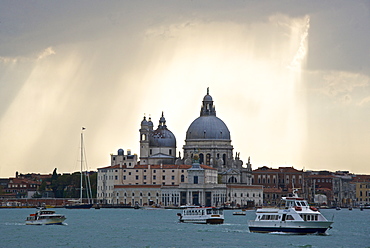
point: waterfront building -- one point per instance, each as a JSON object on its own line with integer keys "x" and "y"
{"x": 207, "y": 174}
{"x": 362, "y": 184}
{"x": 284, "y": 177}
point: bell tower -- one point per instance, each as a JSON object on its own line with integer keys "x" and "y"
{"x": 144, "y": 140}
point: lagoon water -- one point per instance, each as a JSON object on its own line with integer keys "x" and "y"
{"x": 160, "y": 228}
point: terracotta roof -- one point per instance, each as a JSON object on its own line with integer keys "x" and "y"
{"x": 361, "y": 178}
{"x": 279, "y": 170}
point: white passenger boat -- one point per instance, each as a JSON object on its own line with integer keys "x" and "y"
{"x": 45, "y": 217}
{"x": 199, "y": 215}
{"x": 293, "y": 216}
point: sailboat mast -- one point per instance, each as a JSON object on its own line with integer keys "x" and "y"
{"x": 81, "y": 164}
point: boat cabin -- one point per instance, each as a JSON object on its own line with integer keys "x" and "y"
{"x": 203, "y": 211}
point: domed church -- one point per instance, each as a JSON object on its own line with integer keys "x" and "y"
{"x": 209, "y": 136}
{"x": 208, "y": 174}
{"x": 156, "y": 146}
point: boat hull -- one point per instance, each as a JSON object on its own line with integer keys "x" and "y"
{"x": 54, "y": 221}
{"x": 204, "y": 221}
{"x": 79, "y": 206}
{"x": 298, "y": 227}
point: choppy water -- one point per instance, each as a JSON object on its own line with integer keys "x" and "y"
{"x": 160, "y": 228}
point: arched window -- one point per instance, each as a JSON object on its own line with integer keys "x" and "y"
{"x": 208, "y": 159}
{"x": 182, "y": 178}
{"x": 224, "y": 158}
{"x": 201, "y": 158}
{"x": 232, "y": 180}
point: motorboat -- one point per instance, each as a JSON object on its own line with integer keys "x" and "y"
{"x": 293, "y": 216}
{"x": 44, "y": 216}
{"x": 239, "y": 213}
{"x": 202, "y": 215}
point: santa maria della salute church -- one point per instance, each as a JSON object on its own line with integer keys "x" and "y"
{"x": 208, "y": 173}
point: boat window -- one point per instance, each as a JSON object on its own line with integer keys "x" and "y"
{"x": 303, "y": 203}
{"x": 298, "y": 203}
{"x": 289, "y": 217}
{"x": 209, "y": 211}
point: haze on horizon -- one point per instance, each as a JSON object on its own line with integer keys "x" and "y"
{"x": 290, "y": 79}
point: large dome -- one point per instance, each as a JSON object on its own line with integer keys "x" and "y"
{"x": 208, "y": 127}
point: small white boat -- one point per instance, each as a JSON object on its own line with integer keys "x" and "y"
{"x": 239, "y": 213}
{"x": 199, "y": 215}
{"x": 294, "y": 216}
{"x": 45, "y": 217}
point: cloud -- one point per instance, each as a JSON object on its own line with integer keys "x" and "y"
{"x": 340, "y": 86}
{"x": 302, "y": 49}
{"x": 364, "y": 101}
{"x": 8, "y": 60}
{"x": 47, "y": 52}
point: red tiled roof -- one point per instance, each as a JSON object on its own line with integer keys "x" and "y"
{"x": 279, "y": 170}
{"x": 361, "y": 178}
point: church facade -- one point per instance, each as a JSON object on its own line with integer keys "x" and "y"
{"x": 208, "y": 174}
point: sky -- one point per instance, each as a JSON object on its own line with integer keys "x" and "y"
{"x": 290, "y": 79}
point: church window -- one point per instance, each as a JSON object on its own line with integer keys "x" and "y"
{"x": 208, "y": 159}
{"x": 154, "y": 177}
{"x": 170, "y": 152}
{"x": 150, "y": 151}
{"x": 164, "y": 177}
{"x": 182, "y": 178}
{"x": 201, "y": 158}
{"x": 224, "y": 159}
{"x": 173, "y": 178}
{"x": 195, "y": 179}
{"x": 143, "y": 137}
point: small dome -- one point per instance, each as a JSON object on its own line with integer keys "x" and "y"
{"x": 144, "y": 122}
{"x": 120, "y": 152}
{"x": 150, "y": 123}
{"x": 162, "y": 137}
{"x": 207, "y": 98}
